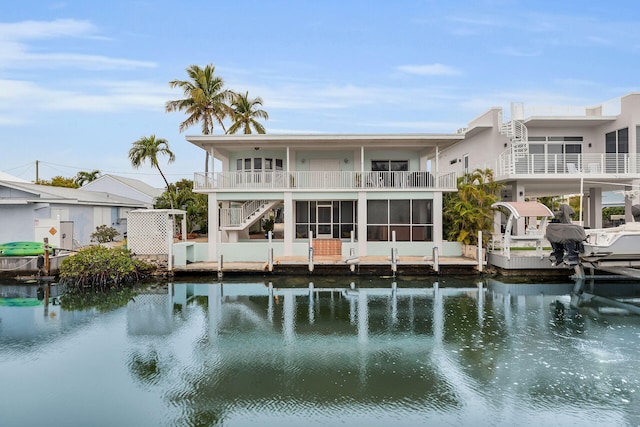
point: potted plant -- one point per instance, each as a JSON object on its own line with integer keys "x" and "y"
{"x": 268, "y": 225}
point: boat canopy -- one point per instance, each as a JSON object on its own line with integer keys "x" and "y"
{"x": 535, "y": 231}
{"x": 525, "y": 209}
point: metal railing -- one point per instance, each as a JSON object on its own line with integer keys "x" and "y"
{"x": 231, "y": 217}
{"x": 313, "y": 180}
{"x": 559, "y": 164}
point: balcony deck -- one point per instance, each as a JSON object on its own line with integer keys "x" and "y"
{"x": 568, "y": 165}
{"x": 323, "y": 180}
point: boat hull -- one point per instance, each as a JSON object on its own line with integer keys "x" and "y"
{"x": 619, "y": 243}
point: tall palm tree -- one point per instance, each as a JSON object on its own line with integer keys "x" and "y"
{"x": 84, "y": 177}
{"x": 206, "y": 101}
{"x": 246, "y": 113}
{"x": 148, "y": 148}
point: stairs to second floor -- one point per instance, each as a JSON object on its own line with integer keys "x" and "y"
{"x": 243, "y": 217}
{"x": 516, "y": 131}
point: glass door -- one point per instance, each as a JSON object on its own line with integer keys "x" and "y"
{"x": 324, "y": 224}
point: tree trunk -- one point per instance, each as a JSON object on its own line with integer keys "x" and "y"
{"x": 168, "y": 188}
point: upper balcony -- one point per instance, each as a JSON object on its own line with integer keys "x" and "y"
{"x": 323, "y": 180}
{"x": 568, "y": 165}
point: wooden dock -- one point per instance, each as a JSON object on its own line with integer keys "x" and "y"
{"x": 337, "y": 265}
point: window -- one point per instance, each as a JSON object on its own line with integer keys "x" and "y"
{"x": 617, "y": 150}
{"x": 390, "y": 171}
{"x": 389, "y": 165}
{"x": 550, "y": 154}
{"x": 258, "y": 164}
{"x": 412, "y": 220}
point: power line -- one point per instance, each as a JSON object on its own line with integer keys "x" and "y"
{"x": 76, "y": 168}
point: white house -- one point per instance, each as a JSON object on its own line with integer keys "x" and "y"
{"x": 547, "y": 151}
{"x": 373, "y": 187}
{"x": 126, "y": 187}
{"x": 66, "y": 216}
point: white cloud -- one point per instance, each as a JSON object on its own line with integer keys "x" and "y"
{"x": 18, "y": 97}
{"x": 15, "y": 53}
{"x": 30, "y": 30}
{"x": 430, "y": 70}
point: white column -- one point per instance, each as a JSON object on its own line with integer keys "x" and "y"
{"x": 289, "y": 224}
{"x": 595, "y": 207}
{"x": 437, "y": 219}
{"x": 214, "y": 233}
{"x": 518, "y": 196}
{"x": 362, "y": 223}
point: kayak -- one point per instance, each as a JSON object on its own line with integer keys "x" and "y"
{"x": 23, "y": 249}
{"x": 20, "y": 302}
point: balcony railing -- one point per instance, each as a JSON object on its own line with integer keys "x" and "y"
{"x": 337, "y": 180}
{"x": 560, "y": 164}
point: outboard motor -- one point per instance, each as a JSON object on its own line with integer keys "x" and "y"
{"x": 567, "y": 243}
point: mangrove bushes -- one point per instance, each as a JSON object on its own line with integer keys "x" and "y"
{"x": 99, "y": 269}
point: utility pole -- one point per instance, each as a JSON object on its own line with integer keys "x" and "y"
{"x": 37, "y": 177}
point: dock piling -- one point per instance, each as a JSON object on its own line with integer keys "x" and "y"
{"x": 270, "y": 252}
{"x": 310, "y": 251}
{"x": 479, "y": 255}
{"x": 394, "y": 253}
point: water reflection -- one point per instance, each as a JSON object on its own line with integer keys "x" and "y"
{"x": 383, "y": 353}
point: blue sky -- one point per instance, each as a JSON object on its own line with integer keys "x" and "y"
{"x": 81, "y": 80}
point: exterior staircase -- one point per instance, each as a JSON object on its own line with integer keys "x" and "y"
{"x": 243, "y": 217}
{"x": 516, "y": 131}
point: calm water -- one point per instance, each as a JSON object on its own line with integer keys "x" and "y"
{"x": 242, "y": 353}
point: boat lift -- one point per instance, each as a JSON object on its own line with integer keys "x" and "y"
{"x": 583, "y": 290}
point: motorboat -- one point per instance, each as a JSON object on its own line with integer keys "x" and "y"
{"x": 615, "y": 243}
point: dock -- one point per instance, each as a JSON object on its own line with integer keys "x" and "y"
{"x": 337, "y": 265}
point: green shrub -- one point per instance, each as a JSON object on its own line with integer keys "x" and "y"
{"x": 104, "y": 234}
{"x": 97, "y": 268}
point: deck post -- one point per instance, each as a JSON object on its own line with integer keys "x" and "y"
{"x": 352, "y": 251}
{"x": 436, "y": 260}
{"x": 46, "y": 256}
{"x": 480, "y": 257}
{"x": 310, "y": 251}
{"x": 220, "y": 261}
{"x": 270, "y": 252}
{"x": 170, "y": 226}
{"x": 394, "y": 253}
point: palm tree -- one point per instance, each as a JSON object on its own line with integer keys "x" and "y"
{"x": 205, "y": 100}
{"x": 246, "y": 113}
{"x": 148, "y": 148}
{"x": 469, "y": 210}
{"x": 84, "y": 177}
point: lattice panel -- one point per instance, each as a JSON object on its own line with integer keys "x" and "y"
{"x": 148, "y": 232}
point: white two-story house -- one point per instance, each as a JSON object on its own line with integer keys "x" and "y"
{"x": 556, "y": 151}
{"x": 357, "y": 192}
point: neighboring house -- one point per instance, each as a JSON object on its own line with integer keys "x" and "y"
{"x": 66, "y": 216}
{"x": 375, "y": 186}
{"x": 6, "y": 177}
{"x": 555, "y": 151}
{"x": 126, "y": 187}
